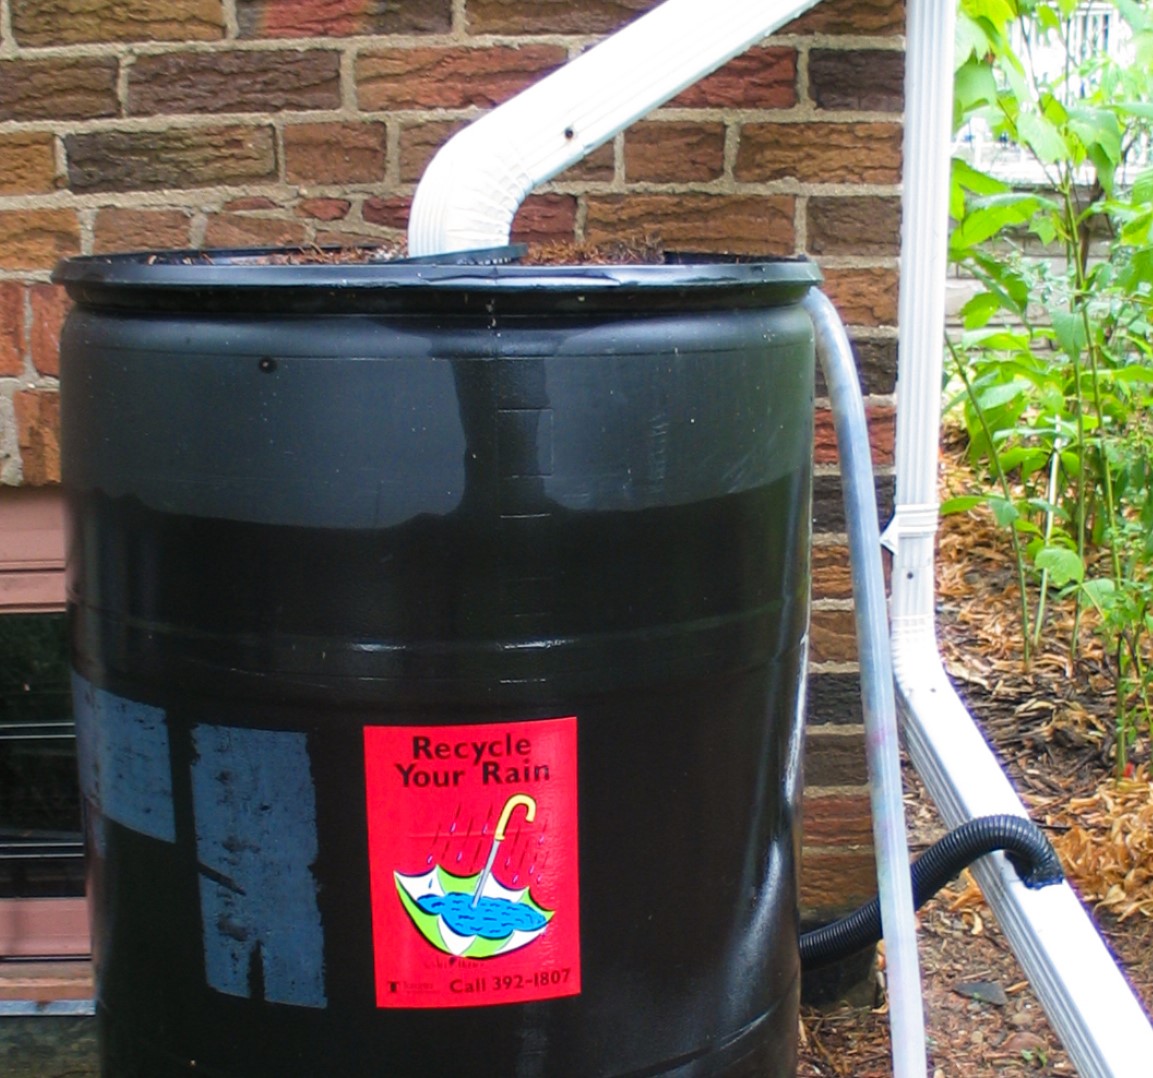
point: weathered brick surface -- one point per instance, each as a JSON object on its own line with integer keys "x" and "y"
{"x": 341, "y": 18}
{"x": 868, "y": 225}
{"x": 69, "y": 22}
{"x": 865, "y": 80}
{"x": 834, "y": 699}
{"x": 50, "y": 306}
{"x": 832, "y": 637}
{"x": 389, "y": 212}
{"x": 828, "y": 503}
{"x": 836, "y": 881}
{"x": 837, "y": 819}
{"x": 545, "y": 219}
{"x": 242, "y": 230}
{"x": 419, "y": 144}
{"x": 27, "y": 163}
{"x": 864, "y": 297}
{"x": 876, "y": 366}
{"x": 324, "y": 209}
{"x": 36, "y": 239}
{"x": 882, "y": 428}
{"x": 674, "y": 152}
{"x": 765, "y": 77}
{"x": 696, "y": 222}
{"x": 335, "y": 153}
{"x": 58, "y": 89}
{"x": 37, "y": 430}
{"x": 176, "y": 158}
{"x": 878, "y": 17}
{"x": 124, "y": 229}
{"x": 552, "y": 16}
{"x": 597, "y": 167}
{"x": 835, "y": 756}
{"x": 425, "y": 78}
{"x": 832, "y": 578}
{"x": 217, "y": 82}
{"x": 820, "y": 153}
{"x": 12, "y": 331}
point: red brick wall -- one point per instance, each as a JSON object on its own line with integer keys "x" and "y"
{"x": 164, "y": 123}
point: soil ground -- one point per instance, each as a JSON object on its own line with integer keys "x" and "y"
{"x": 1050, "y": 726}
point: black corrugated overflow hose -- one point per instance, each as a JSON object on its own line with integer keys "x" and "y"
{"x": 1027, "y": 849}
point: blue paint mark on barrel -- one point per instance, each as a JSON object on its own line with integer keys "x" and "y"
{"x": 125, "y": 767}
{"x": 255, "y": 809}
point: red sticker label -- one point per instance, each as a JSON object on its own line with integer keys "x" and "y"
{"x": 472, "y": 835}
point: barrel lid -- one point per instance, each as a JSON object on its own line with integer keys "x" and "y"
{"x": 323, "y": 280}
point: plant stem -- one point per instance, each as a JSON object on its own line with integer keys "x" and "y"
{"x": 1006, "y": 492}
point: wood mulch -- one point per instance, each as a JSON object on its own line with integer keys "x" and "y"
{"x": 1050, "y": 726}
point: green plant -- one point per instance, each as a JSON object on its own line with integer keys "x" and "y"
{"x": 1053, "y": 368}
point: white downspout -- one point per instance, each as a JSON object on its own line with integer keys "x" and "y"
{"x": 471, "y": 190}
{"x": 1084, "y": 995}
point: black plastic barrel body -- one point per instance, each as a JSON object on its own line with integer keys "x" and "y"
{"x": 364, "y": 557}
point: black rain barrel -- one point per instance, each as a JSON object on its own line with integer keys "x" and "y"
{"x": 439, "y": 639}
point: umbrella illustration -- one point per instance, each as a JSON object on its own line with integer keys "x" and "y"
{"x": 475, "y": 916}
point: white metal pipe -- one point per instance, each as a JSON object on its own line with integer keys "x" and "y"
{"x": 1083, "y": 993}
{"x": 471, "y": 190}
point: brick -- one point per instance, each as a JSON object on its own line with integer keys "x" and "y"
{"x": 876, "y": 367}
{"x": 419, "y": 143}
{"x": 832, "y": 577}
{"x": 837, "y": 820}
{"x": 38, "y": 435}
{"x": 836, "y": 881}
{"x": 341, "y": 18}
{"x": 596, "y": 167}
{"x": 832, "y": 638}
{"x": 835, "y": 756}
{"x": 764, "y": 77}
{"x": 324, "y": 209}
{"x": 864, "y": 297}
{"x": 819, "y": 153}
{"x": 241, "y": 230}
{"x": 865, "y": 225}
{"x": 423, "y": 78}
{"x": 58, "y": 89}
{"x": 175, "y": 158}
{"x": 50, "y": 306}
{"x": 72, "y": 22}
{"x": 390, "y": 212}
{"x": 865, "y": 80}
{"x": 828, "y": 504}
{"x": 881, "y": 18}
{"x": 27, "y": 163}
{"x": 834, "y": 699}
{"x": 882, "y": 420}
{"x": 335, "y": 153}
{"x": 37, "y": 239}
{"x": 345, "y": 238}
{"x": 696, "y": 222}
{"x": 674, "y": 152}
{"x": 122, "y": 229}
{"x": 13, "y": 338}
{"x": 216, "y": 82}
{"x": 545, "y": 219}
{"x": 552, "y": 16}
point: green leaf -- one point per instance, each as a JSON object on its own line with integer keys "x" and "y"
{"x": 1042, "y": 137}
{"x": 1004, "y": 511}
{"x": 1101, "y": 592}
{"x": 980, "y": 309}
{"x": 962, "y": 503}
{"x": 1142, "y": 192}
{"x": 1069, "y": 329}
{"x": 996, "y": 214}
{"x": 973, "y": 85}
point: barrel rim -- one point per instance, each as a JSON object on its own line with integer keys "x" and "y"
{"x": 242, "y": 270}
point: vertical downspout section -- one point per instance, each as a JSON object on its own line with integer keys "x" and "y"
{"x": 470, "y": 192}
{"x": 1084, "y": 995}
